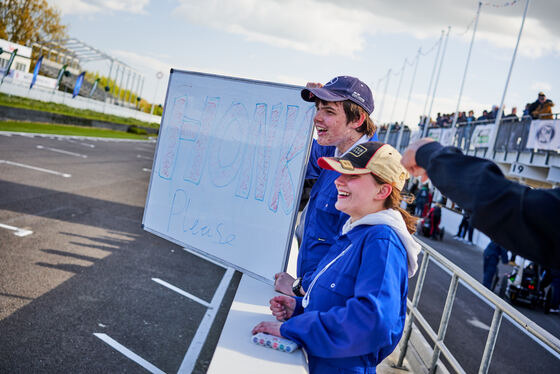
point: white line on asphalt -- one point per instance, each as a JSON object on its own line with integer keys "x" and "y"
{"x": 65, "y": 175}
{"x": 75, "y": 142}
{"x": 146, "y": 169}
{"x": 128, "y": 353}
{"x": 181, "y": 292}
{"x": 191, "y": 357}
{"x": 61, "y": 151}
{"x": 144, "y": 157}
{"x": 18, "y": 232}
{"x": 476, "y": 323}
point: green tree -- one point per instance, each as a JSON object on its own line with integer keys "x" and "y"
{"x": 28, "y": 21}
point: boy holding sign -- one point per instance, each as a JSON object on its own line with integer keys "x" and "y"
{"x": 342, "y": 121}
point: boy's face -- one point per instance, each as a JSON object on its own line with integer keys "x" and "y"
{"x": 332, "y": 127}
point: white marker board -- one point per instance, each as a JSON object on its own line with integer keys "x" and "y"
{"x": 228, "y": 169}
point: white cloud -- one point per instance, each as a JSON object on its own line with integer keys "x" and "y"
{"x": 541, "y": 86}
{"x": 98, "y": 6}
{"x": 306, "y": 25}
{"x": 331, "y": 27}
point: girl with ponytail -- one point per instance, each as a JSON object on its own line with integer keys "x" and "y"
{"x": 353, "y": 312}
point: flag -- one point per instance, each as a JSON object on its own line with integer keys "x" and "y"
{"x": 78, "y": 85}
{"x": 36, "y": 71}
{"x": 94, "y": 87}
{"x": 60, "y": 74}
{"x": 9, "y": 65}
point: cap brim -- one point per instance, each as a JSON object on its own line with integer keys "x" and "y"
{"x": 309, "y": 94}
{"x": 333, "y": 163}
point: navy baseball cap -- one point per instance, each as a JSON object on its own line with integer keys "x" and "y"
{"x": 340, "y": 89}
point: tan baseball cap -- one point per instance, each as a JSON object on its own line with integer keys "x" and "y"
{"x": 371, "y": 157}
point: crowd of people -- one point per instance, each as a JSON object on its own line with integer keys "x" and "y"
{"x": 539, "y": 109}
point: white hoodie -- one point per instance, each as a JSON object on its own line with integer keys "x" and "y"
{"x": 393, "y": 219}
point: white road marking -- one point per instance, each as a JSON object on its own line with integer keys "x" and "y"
{"x": 193, "y": 352}
{"x": 75, "y": 142}
{"x": 181, "y": 292}
{"x": 18, "y": 232}
{"x": 65, "y": 175}
{"x": 476, "y": 323}
{"x": 146, "y": 169}
{"x": 144, "y": 157}
{"x": 128, "y": 353}
{"x": 61, "y": 151}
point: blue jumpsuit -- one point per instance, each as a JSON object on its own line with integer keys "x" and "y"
{"x": 357, "y": 307}
{"x": 323, "y": 221}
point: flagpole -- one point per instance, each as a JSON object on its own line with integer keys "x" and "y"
{"x": 432, "y": 80}
{"x": 399, "y": 139}
{"x": 437, "y": 80}
{"x": 466, "y": 66}
{"x": 496, "y": 126}
{"x": 384, "y": 93}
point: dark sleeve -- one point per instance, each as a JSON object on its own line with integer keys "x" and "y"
{"x": 520, "y": 219}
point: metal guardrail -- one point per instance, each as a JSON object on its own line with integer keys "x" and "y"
{"x": 512, "y": 135}
{"x": 500, "y": 308}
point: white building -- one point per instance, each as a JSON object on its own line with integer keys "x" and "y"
{"x": 22, "y": 61}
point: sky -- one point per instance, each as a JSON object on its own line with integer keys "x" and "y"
{"x": 300, "y": 41}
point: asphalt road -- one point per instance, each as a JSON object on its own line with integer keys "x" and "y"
{"x": 85, "y": 291}
{"x": 515, "y": 351}
{"x": 88, "y": 268}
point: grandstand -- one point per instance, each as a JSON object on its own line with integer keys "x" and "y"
{"x": 75, "y": 55}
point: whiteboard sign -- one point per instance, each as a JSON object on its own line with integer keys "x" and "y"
{"x": 228, "y": 169}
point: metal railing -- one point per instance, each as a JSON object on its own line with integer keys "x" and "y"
{"x": 499, "y": 305}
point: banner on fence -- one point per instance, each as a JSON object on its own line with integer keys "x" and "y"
{"x": 544, "y": 134}
{"x": 481, "y": 136}
{"x": 25, "y": 79}
{"x": 447, "y": 136}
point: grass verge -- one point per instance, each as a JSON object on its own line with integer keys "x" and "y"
{"x": 22, "y": 102}
{"x": 43, "y": 128}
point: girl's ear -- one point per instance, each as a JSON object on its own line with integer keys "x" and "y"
{"x": 384, "y": 191}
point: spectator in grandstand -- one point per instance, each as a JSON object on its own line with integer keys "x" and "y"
{"x": 526, "y": 110}
{"x": 513, "y": 115}
{"x": 492, "y": 255}
{"x": 493, "y": 113}
{"x": 541, "y": 108}
{"x": 353, "y": 313}
{"x": 484, "y": 116}
{"x": 342, "y": 120}
{"x": 519, "y": 218}
{"x": 470, "y": 117}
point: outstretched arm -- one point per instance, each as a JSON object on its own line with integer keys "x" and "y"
{"x": 519, "y": 218}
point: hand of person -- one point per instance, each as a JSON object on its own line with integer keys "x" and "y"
{"x": 283, "y": 283}
{"x": 409, "y": 159}
{"x": 313, "y": 85}
{"x": 271, "y": 328}
{"x": 282, "y": 307}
